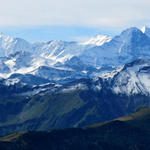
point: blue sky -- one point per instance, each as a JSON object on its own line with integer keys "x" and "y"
{"x": 37, "y": 20}
{"x": 45, "y": 33}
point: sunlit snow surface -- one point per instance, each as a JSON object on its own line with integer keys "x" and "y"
{"x": 97, "y": 40}
{"x": 134, "y": 79}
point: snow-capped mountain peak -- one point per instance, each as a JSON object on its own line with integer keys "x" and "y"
{"x": 130, "y": 32}
{"x": 9, "y": 45}
{"x": 98, "y": 40}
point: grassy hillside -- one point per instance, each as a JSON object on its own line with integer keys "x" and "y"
{"x": 126, "y": 133}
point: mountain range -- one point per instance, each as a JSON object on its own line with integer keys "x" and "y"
{"x": 59, "y": 84}
{"x": 61, "y": 59}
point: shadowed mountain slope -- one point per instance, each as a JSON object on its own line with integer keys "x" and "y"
{"x": 127, "y": 133}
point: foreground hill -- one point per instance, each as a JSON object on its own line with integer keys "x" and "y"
{"x": 127, "y": 133}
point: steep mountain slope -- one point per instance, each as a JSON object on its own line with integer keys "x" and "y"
{"x": 26, "y": 63}
{"x": 10, "y": 45}
{"x": 128, "y": 46}
{"x": 59, "y": 50}
{"x": 134, "y": 78}
{"x": 127, "y": 133}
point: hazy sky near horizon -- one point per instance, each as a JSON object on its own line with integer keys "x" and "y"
{"x": 94, "y": 15}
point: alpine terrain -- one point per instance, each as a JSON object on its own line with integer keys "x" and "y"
{"x": 59, "y": 84}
